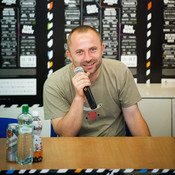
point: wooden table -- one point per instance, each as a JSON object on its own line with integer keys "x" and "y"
{"x": 100, "y": 152}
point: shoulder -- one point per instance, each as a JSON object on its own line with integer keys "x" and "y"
{"x": 60, "y": 76}
{"x": 114, "y": 65}
{"x": 116, "y": 71}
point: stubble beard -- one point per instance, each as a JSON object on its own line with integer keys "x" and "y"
{"x": 97, "y": 67}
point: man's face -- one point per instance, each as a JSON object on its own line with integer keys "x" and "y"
{"x": 86, "y": 51}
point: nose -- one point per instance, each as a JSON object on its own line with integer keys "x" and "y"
{"x": 88, "y": 57}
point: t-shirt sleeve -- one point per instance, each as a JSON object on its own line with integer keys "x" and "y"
{"x": 129, "y": 94}
{"x": 55, "y": 104}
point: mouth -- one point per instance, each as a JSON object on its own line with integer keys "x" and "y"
{"x": 88, "y": 66}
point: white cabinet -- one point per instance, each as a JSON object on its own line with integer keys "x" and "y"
{"x": 158, "y": 107}
{"x": 157, "y": 114}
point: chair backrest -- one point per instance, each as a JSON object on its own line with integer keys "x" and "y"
{"x": 52, "y": 133}
{"x": 4, "y": 124}
{"x": 128, "y": 133}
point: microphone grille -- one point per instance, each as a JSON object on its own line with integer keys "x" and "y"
{"x": 78, "y": 69}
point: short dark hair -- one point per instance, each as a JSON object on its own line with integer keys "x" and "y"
{"x": 82, "y": 29}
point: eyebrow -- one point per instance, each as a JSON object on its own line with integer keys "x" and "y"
{"x": 93, "y": 47}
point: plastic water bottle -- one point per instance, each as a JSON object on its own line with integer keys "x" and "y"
{"x": 37, "y": 140}
{"x": 25, "y": 139}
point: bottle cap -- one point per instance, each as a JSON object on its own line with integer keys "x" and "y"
{"x": 25, "y": 109}
{"x": 35, "y": 113}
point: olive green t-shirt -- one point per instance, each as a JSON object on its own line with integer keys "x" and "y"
{"x": 115, "y": 88}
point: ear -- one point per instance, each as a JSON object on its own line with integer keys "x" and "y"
{"x": 68, "y": 54}
{"x": 102, "y": 48}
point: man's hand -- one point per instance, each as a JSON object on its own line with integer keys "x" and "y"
{"x": 81, "y": 80}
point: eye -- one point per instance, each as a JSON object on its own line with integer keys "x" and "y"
{"x": 93, "y": 49}
{"x": 79, "y": 52}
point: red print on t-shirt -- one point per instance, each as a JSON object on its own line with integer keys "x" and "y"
{"x": 92, "y": 115}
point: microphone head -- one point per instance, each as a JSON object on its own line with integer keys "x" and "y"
{"x": 78, "y": 69}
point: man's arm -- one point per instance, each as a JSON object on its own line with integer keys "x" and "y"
{"x": 70, "y": 124}
{"x": 135, "y": 121}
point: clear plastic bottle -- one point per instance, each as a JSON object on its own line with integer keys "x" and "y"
{"x": 25, "y": 139}
{"x": 37, "y": 140}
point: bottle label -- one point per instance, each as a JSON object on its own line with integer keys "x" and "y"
{"x": 37, "y": 141}
{"x": 37, "y": 125}
{"x": 25, "y": 129}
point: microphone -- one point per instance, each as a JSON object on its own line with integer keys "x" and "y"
{"x": 87, "y": 91}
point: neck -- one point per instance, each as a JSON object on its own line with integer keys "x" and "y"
{"x": 93, "y": 77}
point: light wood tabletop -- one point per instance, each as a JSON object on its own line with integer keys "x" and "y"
{"x": 100, "y": 152}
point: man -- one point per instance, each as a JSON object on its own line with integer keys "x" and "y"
{"x": 112, "y": 86}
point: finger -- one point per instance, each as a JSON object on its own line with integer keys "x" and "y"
{"x": 81, "y": 76}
